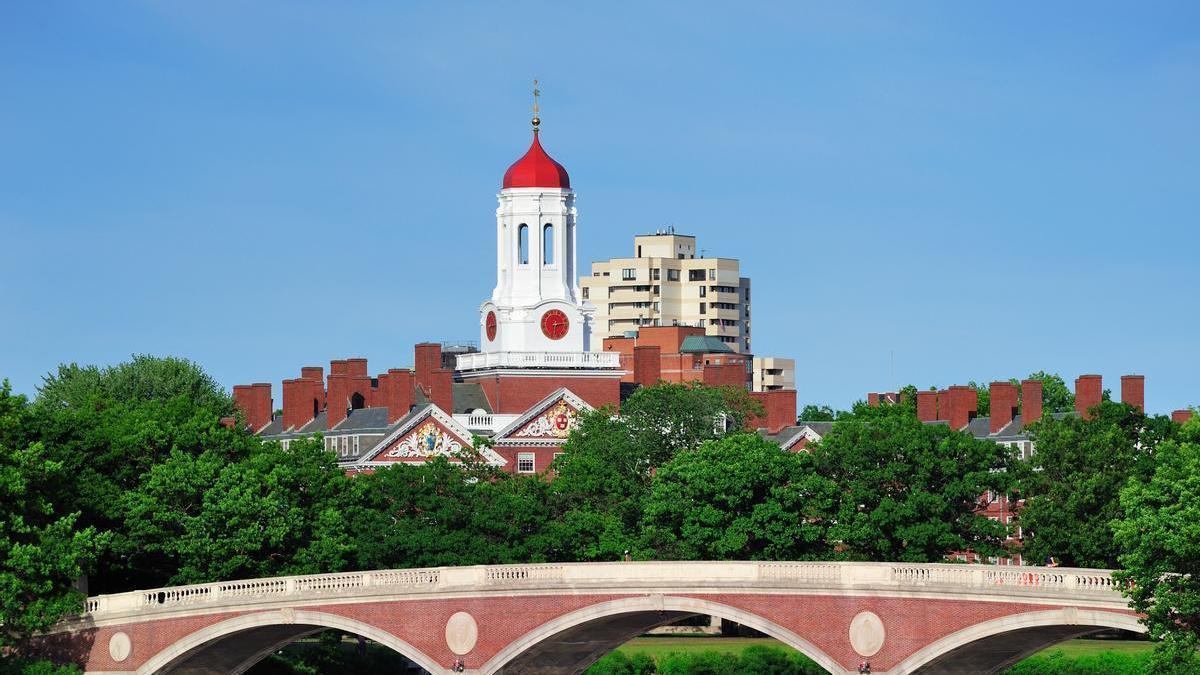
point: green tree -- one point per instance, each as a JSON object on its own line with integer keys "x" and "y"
{"x": 738, "y": 498}
{"x": 815, "y": 413}
{"x": 597, "y": 496}
{"x": 1071, "y": 485}
{"x": 108, "y": 428}
{"x": 1056, "y": 396}
{"x": 142, "y": 378}
{"x": 440, "y": 513}
{"x": 42, "y": 552}
{"x": 270, "y": 513}
{"x": 907, "y": 490}
{"x": 1159, "y": 536}
{"x": 667, "y": 418}
{"x": 604, "y": 474}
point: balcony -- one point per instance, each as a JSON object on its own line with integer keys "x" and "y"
{"x": 554, "y": 360}
{"x": 490, "y": 422}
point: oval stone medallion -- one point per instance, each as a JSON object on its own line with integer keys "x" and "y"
{"x": 461, "y": 633}
{"x": 867, "y": 633}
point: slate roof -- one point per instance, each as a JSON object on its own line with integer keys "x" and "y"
{"x": 373, "y": 419}
{"x": 468, "y": 396}
{"x": 704, "y": 344}
{"x": 821, "y": 428}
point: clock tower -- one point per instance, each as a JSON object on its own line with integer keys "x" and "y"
{"x": 535, "y": 331}
{"x": 536, "y": 304}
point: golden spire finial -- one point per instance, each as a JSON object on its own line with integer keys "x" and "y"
{"x": 536, "y": 93}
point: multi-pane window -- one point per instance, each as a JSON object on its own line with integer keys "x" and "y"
{"x": 712, "y": 274}
{"x": 695, "y": 275}
{"x": 656, "y": 274}
{"x": 628, "y": 274}
{"x": 672, "y": 275}
{"x": 525, "y": 463}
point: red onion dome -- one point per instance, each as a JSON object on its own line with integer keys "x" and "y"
{"x": 536, "y": 169}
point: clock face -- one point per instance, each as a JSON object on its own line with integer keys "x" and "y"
{"x": 555, "y": 324}
{"x": 490, "y": 326}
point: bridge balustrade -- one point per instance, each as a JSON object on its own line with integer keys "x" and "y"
{"x": 977, "y": 579}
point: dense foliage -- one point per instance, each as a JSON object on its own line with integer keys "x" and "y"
{"x": 42, "y": 552}
{"x": 1072, "y": 484}
{"x": 906, "y": 490}
{"x": 1159, "y": 536}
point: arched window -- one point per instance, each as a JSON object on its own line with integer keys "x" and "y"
{"x": 548, "y": 244}
{"x": 523, "y": 244}
{"x": 357, "y": 402}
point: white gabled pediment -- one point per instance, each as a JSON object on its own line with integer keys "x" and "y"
{"x": 426, "y": 434}
{"x": 549, "y": 420}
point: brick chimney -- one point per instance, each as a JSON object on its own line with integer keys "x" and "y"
{"x": 441, "y": 390}
{"x": 338, "y": 400}
{"x": 357, "y": 367}
{"x": 397, "y": 391}
{"x": 1088, "y": 391}
{"x": 964, "y": 402}
{"x": 647, "y": 364}
{"x": 779, "y": 407}
{"x": 315, "y": 375}
{"x": 1031, "y": 402}
{"x": 1003, "y": 397}
{"x": 1181, "y": 416}
{"x": 873, "y": 399}
{"x": 428, "y": 358}
{"x": 297, "y": 408}
{"x": 943, "y": 404}
{"x": 1133, "y": 391}
{"x": 927, "y": 405}
{"x": 254, "y": 400}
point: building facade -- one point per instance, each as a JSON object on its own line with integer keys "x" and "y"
{"x": 665, "y": 283}
{"x": 772, "y": 373}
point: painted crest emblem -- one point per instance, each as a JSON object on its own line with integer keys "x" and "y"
{"x": 428, "y": 441}
{"x": 556, "y": 422}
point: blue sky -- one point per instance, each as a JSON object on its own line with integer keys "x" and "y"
{"x": 979, "y": 190}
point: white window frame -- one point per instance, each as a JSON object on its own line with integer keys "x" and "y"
{"x": 527, "y": 457}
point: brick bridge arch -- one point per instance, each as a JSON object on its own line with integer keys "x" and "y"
{"x": 234, "y": 645}
{"x": 574, "y": 641}
{"x": 550, "y": 619}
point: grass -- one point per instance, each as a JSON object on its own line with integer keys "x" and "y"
{"x": 656, "y": 646}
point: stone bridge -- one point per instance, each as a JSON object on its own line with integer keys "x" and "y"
{"x": 559, "y": 618}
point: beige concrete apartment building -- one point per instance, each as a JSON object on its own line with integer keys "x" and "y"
{"x": 772, "y": 372}
{"x": 666, "y": 284}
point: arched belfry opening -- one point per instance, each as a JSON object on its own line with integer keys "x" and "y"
{"x": 357, "y": 402}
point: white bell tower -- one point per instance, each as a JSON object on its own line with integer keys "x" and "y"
{"x": 536, "y": 304}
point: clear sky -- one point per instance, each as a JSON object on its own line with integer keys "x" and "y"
{"x": 971, "y": 191}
